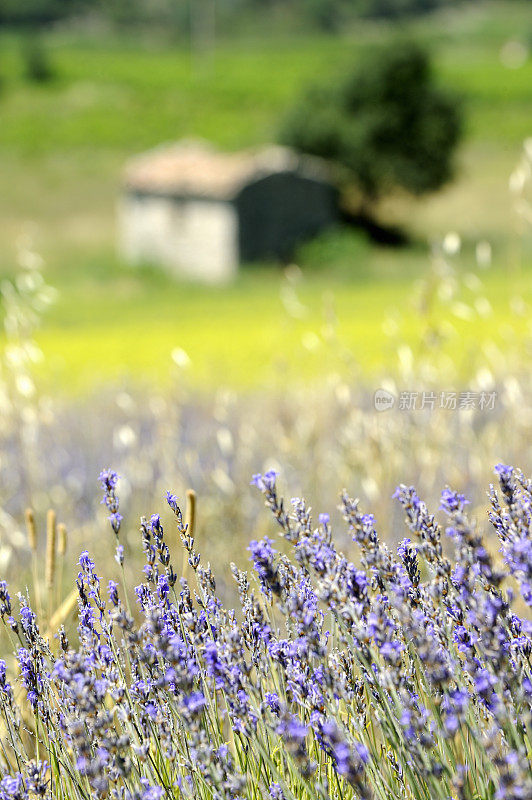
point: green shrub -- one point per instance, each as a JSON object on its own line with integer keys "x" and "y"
{"x": 37, "y": 12}
{"x": 399, "y": 8}
{"x": 385, "y": 121}
{"x": 325, "y": 14}
{"x": 37, "y": 66}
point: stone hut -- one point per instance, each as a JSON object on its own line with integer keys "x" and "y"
{"x": 200, "y": 213}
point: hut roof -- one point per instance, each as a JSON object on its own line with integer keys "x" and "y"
{"x": 194, "y": 169}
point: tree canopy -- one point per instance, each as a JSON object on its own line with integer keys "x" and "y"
{"x": 386, "y": 122}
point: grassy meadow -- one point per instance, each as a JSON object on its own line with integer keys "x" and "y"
{"x": 63, "y": 145}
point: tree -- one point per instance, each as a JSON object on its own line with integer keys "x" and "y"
{"x": 36, "y": 12}
{"x": 386, "y": 122}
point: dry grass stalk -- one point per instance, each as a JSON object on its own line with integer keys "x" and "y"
{"x": 62, "y": 539}
{"x": 60, "y": 614}
{"x": 30, "y": 529}
{"x": 190, "y": 524}
{"x": 51, "y": 537}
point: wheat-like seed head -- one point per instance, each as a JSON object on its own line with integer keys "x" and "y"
{"x": 50, "y": 547}
{"x": 190, "y": 519}
{"x": 62, "y": 539}
{"x": 30, "y": 529}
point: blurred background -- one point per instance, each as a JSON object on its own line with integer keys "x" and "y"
{"x": 384, "y": 147}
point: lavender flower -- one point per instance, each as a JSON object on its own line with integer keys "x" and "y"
{"x": 263, "y": 556}
{"x": 390, "y": 677}
{"x": 109, "y": 479}
{"x": 452, "y": 501}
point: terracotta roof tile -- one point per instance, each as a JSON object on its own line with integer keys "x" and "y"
{"x": 192, "y": 168}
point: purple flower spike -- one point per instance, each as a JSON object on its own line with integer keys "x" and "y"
{"x": 504, "y": 471}
{"x": 452, "y": 502}
{"x": 109, "y": 478}
{"x": 266, "y": 482}
{"x": 172, "y": 501}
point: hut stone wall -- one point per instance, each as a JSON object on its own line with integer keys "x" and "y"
{"x": 191, "y": 238}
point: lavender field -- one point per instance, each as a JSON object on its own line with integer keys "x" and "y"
{"x": 267, "y": 537}
{"x": 329, "y": 680}
{"x": 170, "y": 666}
